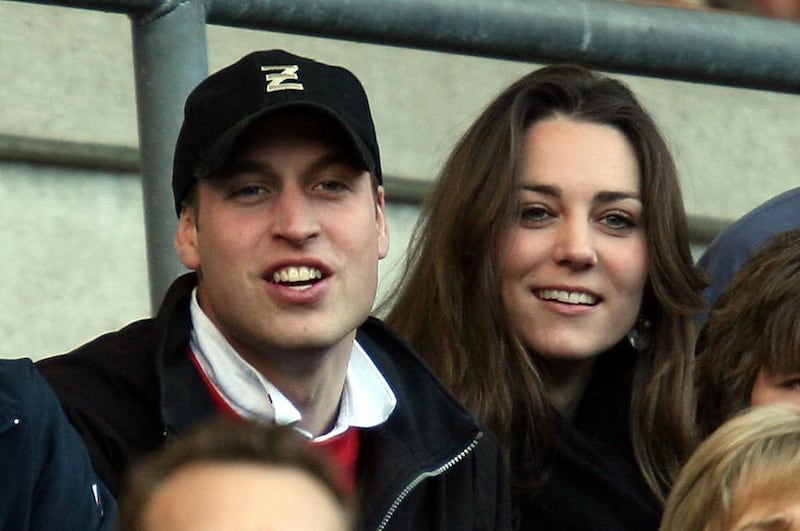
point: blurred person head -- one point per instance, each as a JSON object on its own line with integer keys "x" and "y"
{"x": 235, "y": 476}
{"x": 748, "y": 353}
{"x": 744, "y": 477}
{"x": 781, "y": 9}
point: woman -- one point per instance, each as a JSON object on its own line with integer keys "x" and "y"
{"x": 555, "y": 232}
{"x": 744, "y": 477}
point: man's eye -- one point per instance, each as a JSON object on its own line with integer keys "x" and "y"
{"x": 249, "y": 191}
{"x": 331, "y": 186}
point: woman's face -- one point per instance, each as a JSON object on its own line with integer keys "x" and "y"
{"x": 574, "y": 260}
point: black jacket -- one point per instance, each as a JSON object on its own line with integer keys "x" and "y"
{"x": 429, "y": 466}
{"x": 47, "y": 478}
{"x": 594, "y": 482}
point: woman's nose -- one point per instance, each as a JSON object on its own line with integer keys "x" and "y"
{"x": 575, "y": 245}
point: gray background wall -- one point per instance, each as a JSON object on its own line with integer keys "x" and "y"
{"x": 72, "y": 259}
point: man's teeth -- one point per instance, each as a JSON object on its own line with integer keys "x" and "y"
{"x": 296, "y": 274}
{"x": 567, "y": 297}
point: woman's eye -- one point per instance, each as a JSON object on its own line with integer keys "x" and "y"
{"x": 618, "y": 220}
{"x": 534, "y": 213}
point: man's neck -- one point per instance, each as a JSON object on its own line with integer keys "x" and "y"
{"x": 312, "y": 381}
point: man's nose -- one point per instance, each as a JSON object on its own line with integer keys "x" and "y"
{"x": 294, "y": 217}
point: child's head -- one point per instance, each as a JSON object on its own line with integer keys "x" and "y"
{"x": 743, "y": 477}
{"x": 748, "y": 352}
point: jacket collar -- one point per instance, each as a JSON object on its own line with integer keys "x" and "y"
{"x": 185, "y": 400}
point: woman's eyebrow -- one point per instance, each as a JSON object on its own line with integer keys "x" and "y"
{"x": 609, "y": 196}
{"x": 545, "y": 189}
{"x": 604, "y": 196}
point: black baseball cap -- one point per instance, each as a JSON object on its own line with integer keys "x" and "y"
{"x": 223, "y": 105}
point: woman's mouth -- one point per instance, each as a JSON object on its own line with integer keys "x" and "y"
{"x": 567, "y": 297}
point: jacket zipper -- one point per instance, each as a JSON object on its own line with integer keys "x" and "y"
{"x": 424, "y": 475}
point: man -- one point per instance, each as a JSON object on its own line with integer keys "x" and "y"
{"x": 278, "y": 186}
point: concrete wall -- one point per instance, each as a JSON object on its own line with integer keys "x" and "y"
{"x": 73, "y": 253}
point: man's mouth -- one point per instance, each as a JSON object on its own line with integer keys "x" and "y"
{"x": 297, "y": 277}
{"x": 567, "y": 297}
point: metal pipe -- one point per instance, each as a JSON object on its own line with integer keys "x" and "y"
{"x": 65, "y": 154}
{"x": 170, "y": 58}
{"x": 706, "y": 46}
{"x": 714, "y": 47}
{"x": 129, "y": 7}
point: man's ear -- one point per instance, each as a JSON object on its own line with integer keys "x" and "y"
{"x": 186, "y": 238}
{"x": 382, "y": 224}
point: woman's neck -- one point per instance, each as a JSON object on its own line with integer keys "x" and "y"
{"x": 565, "y": 382}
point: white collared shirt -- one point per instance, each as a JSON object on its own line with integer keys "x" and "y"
{"x": 367, "y": 399}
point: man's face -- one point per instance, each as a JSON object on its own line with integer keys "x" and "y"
{"x": 287, "y": 240}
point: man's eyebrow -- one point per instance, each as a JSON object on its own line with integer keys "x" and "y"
{"x": 337, "y": 157}
{"x": 254, "y": 165}
{"x": 245, "y": 165}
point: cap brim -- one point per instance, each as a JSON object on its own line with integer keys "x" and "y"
{"x": 220, "y": 151}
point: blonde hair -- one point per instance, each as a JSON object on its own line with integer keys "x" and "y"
{"x": 752, "y": 457}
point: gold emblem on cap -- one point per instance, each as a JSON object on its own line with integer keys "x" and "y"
{"x": 278, "y": 80}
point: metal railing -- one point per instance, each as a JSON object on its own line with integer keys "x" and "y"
{"x": 170, "y": 57}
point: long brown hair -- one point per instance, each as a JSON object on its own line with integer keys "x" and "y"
{"x": 447, "y": 304}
